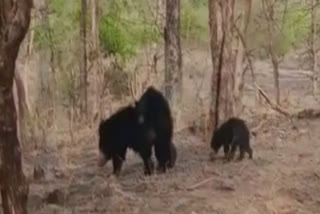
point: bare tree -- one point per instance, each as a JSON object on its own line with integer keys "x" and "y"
{"x": 94, "y": 61}
{"x": 243, "y": 23}
{"x": 313, "y": 49}
{"x": 14, "y": 23}
{"x": 160, "y": 13}
{"x": 173, "y": 58}
{"x": 83, "y": 58}
{"x": 94, "y": 23}
{"x": 220, "y": 22}
{"x": 268, "y": 8}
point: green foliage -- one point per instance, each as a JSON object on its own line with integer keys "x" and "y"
{"x": 194, "y": 20}
{"x": 124, "y": 28}
{"x": 295, "y": 29}
{"x": 61, "y": 26}
{"x": 290, "y": 28}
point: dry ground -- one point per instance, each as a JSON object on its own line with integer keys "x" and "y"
{"x": 282, "y": 178}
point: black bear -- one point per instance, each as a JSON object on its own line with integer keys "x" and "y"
{"x": 155, "y": 114}
{"x": 120, "y": 132}
{"x": 232, "y": 134}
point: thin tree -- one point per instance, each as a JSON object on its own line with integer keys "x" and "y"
{"x": 313, "y": 49}
{"x": 269, "y": 13}
{"x": 173, "y": 58}
{"x": 93, "y": 59}
{"x": 220, "y": 23}
{"x": 14, "y": 24}
{"x": 243, "y": 22}
{"x": 83, "y": 58}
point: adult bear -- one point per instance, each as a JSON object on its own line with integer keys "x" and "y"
{"x": 120, "y": 132}
{"x": 155, "y": 115}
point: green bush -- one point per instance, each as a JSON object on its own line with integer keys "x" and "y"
{"x": 62, "y": 26}
{"x": 290, "y": 28}
{"x": 194, "y": 20}
{"x": 123, "y": 29}
{"x": 295, "y": 29}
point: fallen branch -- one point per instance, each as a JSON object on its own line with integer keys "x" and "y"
{"x": 274, "y": 106}
{"x": 201, "y": 183}
{"x": 308, "y": 114}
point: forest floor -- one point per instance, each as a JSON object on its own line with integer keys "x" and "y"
{"x": 282, "y": 178}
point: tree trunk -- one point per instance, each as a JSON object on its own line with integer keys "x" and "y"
{"x": 215, "y": 49}
{"x": 22, "y": 105}
{"x": 14, "y": 23}
{"x": 160, "y": 13}
{"x": 83, "y": 58}
{"x": 238, "y": 69}
{"x": 93, "y": 58}
{"x": 221, "y": 21}
{"x": 94, "y": 29}
{"x": 313, "y": 50}
{"x": 173, "y": 58}
{"x": 275, "y": 65}
{"x": 268, "y": 7}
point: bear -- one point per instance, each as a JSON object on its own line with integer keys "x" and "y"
{"x": 155, "y": 114}
{"x": 120, "y": 132}
{"x": 232, "y": 134}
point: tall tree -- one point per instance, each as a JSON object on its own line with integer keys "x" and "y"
{"x": 173, "y": 58}
{"x": 313, "y": 49}
{"x": 83, "y": 58}
{"x": 94, "y": 58}
{"x": 243, "y": 22}
{"x": 220, "y": 23}
{"x": 14, "y": 23}
{"x": 269, "y": 13}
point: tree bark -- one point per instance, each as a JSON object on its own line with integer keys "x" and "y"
{"x": 14, "y": 23}
{"x": 238, "y": 69}
{"x": 93, "y": 58}
{"x": 21, "y": 101}
{"x": 275, "y": 65}
{"x": 215, "y": 49}
{"x": 313, "y": 35}
{"x": 160, "y": 13}
{"x": 83, "y": 58}
{"x": 173, "y": 58}
{"x": 268, "y": 7}
{"x": 94, "y": 29}
{"x": 222, "y": 101}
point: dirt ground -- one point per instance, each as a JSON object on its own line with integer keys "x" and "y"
{"x": 282, "y": 178}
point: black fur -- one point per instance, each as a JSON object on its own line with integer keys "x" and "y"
{"x": 155, "y": 115}
{"x": 121, "y": 131}
{"x": 232, "y": 134}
